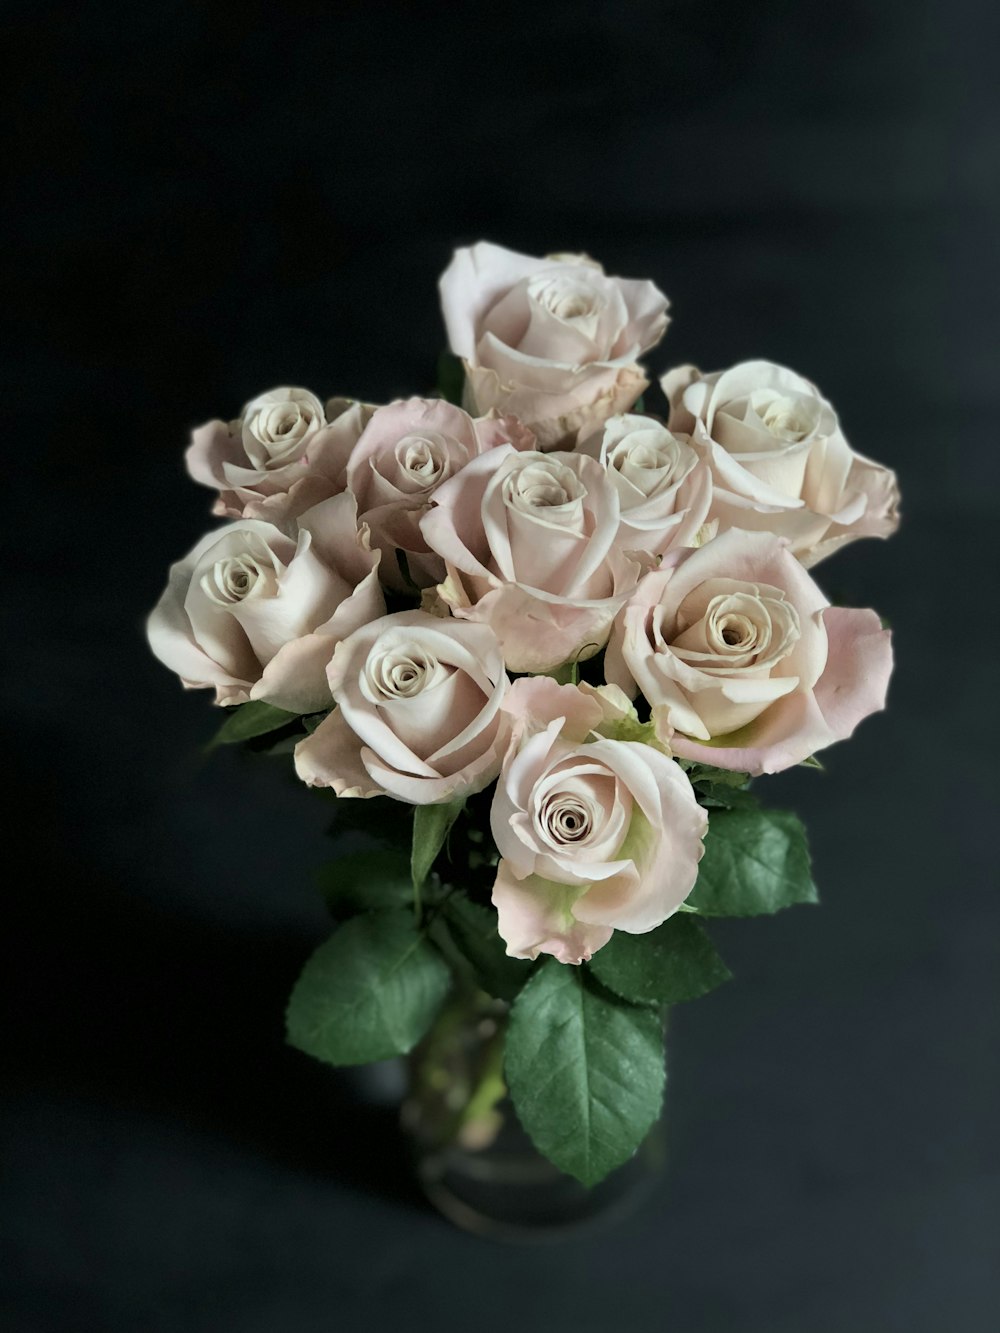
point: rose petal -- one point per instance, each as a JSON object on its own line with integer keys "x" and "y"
{"x": 535, "y": 916}
{"x": 331, "y": 757}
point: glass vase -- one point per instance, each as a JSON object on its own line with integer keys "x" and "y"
{"x": 473, "y": 1160}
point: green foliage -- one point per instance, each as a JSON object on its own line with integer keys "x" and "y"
{"x": 631, "y": 729}
{"x": 674, "y": 962}
{"x": 567, "y": 674}
{"x": 700, "y": 774}
{"x": 368, "y": 993}
{"x": 430, "y": 829}
{"x": 718, "y": 795}
{"x": 247, "y": 721}
{"x": 585, "y": 1070}
{"x": 755, "y": 862}
{"x": 366, "y": 881}
{"x": 473, "y": 930}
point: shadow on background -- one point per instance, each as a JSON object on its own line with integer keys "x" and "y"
{"x": 157, "y": 1014}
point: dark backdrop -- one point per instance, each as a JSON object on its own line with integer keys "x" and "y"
{"x": 209, "y": 201}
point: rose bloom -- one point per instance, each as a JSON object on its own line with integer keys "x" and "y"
{"x": 779, "y": 460}
{"x": 554, "y": 341}
{"x": 418, "y": 712}
{"x": 533, "y": 548}
{"x": 664, "y": 488}
{"x": 595, "y": 835}
{"x": 404, "y": 453}
{"x": 255, "y": 611}
{"x": 744, "y": 662}
{"x": 283, "y": 441}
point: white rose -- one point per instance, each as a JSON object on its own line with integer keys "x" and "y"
{"x": 778, "y": 458}
{"x": 255, "y": 610}
{"x": 284, "y": 452}
{"x": 406, "y": 451}
{"x": 595, "y": 835}
{"x": 418, "y": 712}
{"x": 553, "y": 341}
{"x": 533, "y": 548}
{"x": 743, "y": 661}
{"x": 664, "y": 488}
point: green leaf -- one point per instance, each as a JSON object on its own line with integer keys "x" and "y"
{"x": 755, "y": 862}
{"x": 246, "y": 721}
{"x": 366, "y": 881}
{"x": 430, "y": 828}
{"x": 585, "y": 1070}
{"x": 474, "y": 931}
{"x": 369, "y": 992}
{"x": 567, "y": 674}
{"x": 674, "y": 962}
{"x": 450, "y": 378}
{"x": 702, "y": 773}
{"x": 718, "y": 794}
{"x": 812, "y": 762}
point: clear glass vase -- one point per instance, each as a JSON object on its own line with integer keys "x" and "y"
{"x": 474, "y": 1161}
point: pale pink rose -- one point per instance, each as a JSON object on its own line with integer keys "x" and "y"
{"x": 418, "y": 713}
{"x": 404, "y": 453}
{"x": 595, "y": 835}
{"x": 553, "y": 341}
{"x": 664, "y": 487}
{"x": 256, "y": 610}
{"x": 283, "y": 442}
{"x": 743, "y": 661}
{"x": 779, "y": 460}
{"x": 533, "y": 548}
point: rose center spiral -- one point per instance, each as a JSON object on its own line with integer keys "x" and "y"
{"x": 545, "y": 485}
{"x": 404, "y": 673}
{"x": 567, "y": 819}
{"x": 565, "y": 299}
{"x": 237, "y": 577}
{"x": 790, "y": 418}
{"x": 424, "y": 458}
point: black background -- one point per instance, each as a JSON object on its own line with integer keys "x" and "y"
{"x": 207, "y": 202}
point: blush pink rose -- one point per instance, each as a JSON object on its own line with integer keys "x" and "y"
{"x": 255, "y": 611}
{"x": 743, "y": 661}
{"x": 418, "y": 713}
{"x": 664, "y": 487}
{"x": 779, "y": 460}
{"x": 405, "y": 452}
{"x": 284, "y": 441}
{"x": 532, "y": 545}
{"x": 553, "y": 341}
{"x": 595, "y": 835}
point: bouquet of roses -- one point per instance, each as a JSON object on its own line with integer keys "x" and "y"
{"x": 542, "y": 641}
